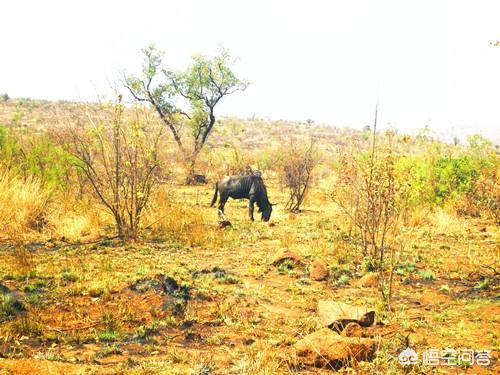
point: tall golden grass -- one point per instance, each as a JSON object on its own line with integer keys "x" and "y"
{"x": 180, "y": 222}
{"x": 23, "y": 203}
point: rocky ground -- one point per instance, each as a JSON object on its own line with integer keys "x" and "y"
{"x": 259, "y": 298}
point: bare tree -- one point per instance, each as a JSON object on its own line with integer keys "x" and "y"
{"x": 119, "y": 157}
{"x": 297, "y": 163}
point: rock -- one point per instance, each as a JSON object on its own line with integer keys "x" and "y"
{"x": 187, "y": 324}
{"x": 327, "y": 348}
{"x": 336, "y": 315}
{"x": 217, "y": 273}
{"x": 248, "y": 341}
{"x": 288, "y": 255}
{"x": 224, "y": 224}
{"x": 4, "y": 289}
{"x": 223, "y": 221}
{"x": 319, "y": 270}
{"x": 352, "y": 330}
{"x": 174, "y": 306}
{"x": 193, "y": 337}
{"x": 10, "y": 305}
{"x": 196, "y": 179}
{"x": 172, "y": 287}
{"x": 368, "y": 280}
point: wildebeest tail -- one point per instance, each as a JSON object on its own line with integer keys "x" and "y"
{"x": 214, "y": 199}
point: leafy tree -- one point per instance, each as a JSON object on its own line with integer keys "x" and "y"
{"x": 201, "y": 87}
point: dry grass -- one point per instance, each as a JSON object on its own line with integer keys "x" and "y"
{"x": 77, "y": 220}
{"x": 83, "y": 317}
{"x": 180, "y": 222}
{"x": 23, "y": 204}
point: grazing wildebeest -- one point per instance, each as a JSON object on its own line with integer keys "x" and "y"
{"x": 250, "y": 187}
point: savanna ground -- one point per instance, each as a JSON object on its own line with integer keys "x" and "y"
{"x": 95, "y": 304}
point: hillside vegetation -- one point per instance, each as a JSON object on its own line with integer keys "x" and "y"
{"x": 111, "y": 263}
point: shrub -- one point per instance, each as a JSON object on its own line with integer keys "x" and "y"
{"x": 373, "y": 193}
{"x": 485, "y": 194}
{"x": 119, "y": 157}
{"x": 447, "y": 178}
{"x": 296, "y": 166}
{"x": 36, "y": 155}
{"x": 463, "y": 178}
{"x": 50, "y": 162}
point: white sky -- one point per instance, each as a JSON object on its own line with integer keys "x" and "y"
{"x": 428, "y": 61}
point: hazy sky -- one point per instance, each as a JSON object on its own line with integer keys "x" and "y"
{"x": 429, "y": 62}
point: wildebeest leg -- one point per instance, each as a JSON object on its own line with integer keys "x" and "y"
{"x": 250, "y": 207}
{"x": 222, "y": 201}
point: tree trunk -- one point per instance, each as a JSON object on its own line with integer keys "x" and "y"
{"x": 191, "y": 167}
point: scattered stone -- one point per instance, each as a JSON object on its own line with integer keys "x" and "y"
{"x": 319, "y": 270}
{"x": 223, "y": 221}
{"x": 368, "y": 280}
{"x": 169, "y": 284}
{"x": 175, "y": 306}
{"x": 193, "y": 337}
{"x": 162, "y": 284}
{"x": 288, "y": 256}
{"x": 218, "y": 273}
{"x": 352, "y": 330}
{"x": 175, "y": 295}
{"x": 172, "y": 288}
{"x": 336, "y": 315}
{"x": 10, "y": 305}
{"x": 248, "y": 341}
{"x": 327, "y": 348}
{"x": 224, "y": 224}
{"x": 187, "y": 324}
{"x": 4, "y": 289}
{"x": 146, "y": 284}
{"x": 196, "y": 179}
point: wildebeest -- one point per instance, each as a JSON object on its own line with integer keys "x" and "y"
{"x": 250, "y": 187}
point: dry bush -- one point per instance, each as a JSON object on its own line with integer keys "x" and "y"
{"x": 373, "y": 195}
{"x": 23, "y": 204}
{"x": 296, "y": 166}
{"x": 485, "y": 195}
{"x": 119, "y": 157}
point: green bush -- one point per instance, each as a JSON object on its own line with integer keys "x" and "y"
{"x": 9, "y": 147}
{"x": 50, "y": 162}
{"x": 437, "y": 179}
{"x": 454, "y": 176}
{"x": 37, "y": 155}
